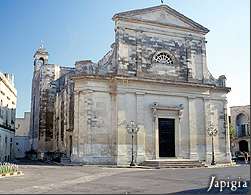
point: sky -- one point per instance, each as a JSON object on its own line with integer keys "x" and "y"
{"x": 74, "y": 30}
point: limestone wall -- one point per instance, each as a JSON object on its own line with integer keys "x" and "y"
{"x": 105, "y": 106}
{"x": 94, "y": 139}
{"x": 63, "y": 117}
{"x": 137, "y": 45}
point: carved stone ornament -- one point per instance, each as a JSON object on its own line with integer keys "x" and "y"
{"x": 154, "y": 110}
{"x": 155, "y": 107}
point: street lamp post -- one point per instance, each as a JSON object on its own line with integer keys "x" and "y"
{"x": 212, "y": 132}
{"x": 132, "y": 128}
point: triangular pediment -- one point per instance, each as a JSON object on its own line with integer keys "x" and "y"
{"x": 163, "y": 15}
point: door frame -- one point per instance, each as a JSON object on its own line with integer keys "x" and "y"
{"x": 172, "y": 113}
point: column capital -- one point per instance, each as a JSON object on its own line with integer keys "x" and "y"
{"x": 140, "y": 93}
{"x": 206, "y": 98}
{"x": 191, "y": 97}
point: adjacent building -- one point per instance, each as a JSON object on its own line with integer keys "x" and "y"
{"x": 240, "y": 121}
{"x": 155, "y": 74}
{"x": 8, "y": 97}
{"x": 22, "y": 142}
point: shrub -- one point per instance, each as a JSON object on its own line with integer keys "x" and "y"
{"x": 8, "y": 168}
{"x": 232, "y": 131}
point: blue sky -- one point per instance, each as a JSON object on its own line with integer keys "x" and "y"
{"x": 83, "y": 29}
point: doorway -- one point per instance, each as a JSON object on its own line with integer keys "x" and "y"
{"x": 166, "y": 137}
{"x": 70, "y": 145}
{"x": 243, "y": 146}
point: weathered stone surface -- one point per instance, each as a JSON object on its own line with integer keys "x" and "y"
{"x": 156, "y": 68}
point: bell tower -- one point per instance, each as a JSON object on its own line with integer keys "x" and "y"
{"x": 40, "y": 58}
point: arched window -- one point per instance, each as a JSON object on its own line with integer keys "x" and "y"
{"x": 242, "y": 125}
{"x": 39, "y": 62}
{"x": 163, "y": 58}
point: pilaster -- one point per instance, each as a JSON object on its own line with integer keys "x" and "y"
{"x": 140, "y": 121}
{"x": 207, "y": 137}
{"x": 192, "y": 128}
{"x": 75, "y": 144}
{"x": 227, "y": 138}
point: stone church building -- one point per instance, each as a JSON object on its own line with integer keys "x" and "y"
{"x": 155, "y": 74}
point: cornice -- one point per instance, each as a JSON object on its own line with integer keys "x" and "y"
{"x": 159, "y": 24}
{"x": 142, "y": 79}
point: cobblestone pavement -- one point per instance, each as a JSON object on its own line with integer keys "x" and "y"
{"x": 43, "y": 178}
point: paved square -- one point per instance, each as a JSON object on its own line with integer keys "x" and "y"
{"x": 97, "y": 179}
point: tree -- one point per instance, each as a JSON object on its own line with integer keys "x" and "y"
{"x": 232, "y": 132}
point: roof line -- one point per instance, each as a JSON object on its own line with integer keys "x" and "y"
{"x": 173, "y": 11}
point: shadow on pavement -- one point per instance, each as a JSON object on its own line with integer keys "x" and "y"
{"x": 217, "y": 191}
{"x": 34, "y": 162}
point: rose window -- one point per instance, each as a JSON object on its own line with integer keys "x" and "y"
{"x": 163, "y": 58}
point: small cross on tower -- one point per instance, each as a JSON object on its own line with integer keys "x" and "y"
{"x": 41, "y": 44}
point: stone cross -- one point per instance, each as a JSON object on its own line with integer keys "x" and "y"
{"x": 42, "y": 44}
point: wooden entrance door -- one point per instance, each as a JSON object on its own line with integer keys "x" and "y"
{"x": 166, "y": 137}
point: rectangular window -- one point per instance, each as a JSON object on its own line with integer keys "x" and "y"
{"x": 243, "y": 130}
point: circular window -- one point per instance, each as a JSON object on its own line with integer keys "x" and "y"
{"x": 163, "y": 58}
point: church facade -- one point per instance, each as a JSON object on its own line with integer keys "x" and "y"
{"x": 155, "y": 75}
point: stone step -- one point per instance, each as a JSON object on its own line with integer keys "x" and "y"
{"x": 172, "y": 164}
